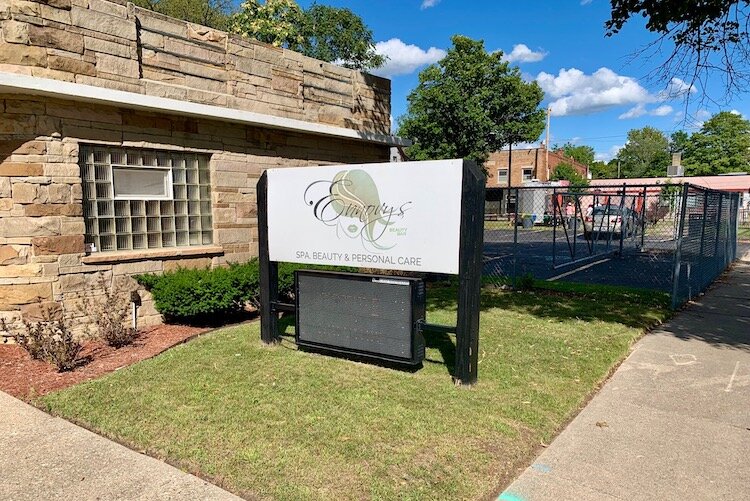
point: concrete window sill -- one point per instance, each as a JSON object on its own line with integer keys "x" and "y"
{"x": 150, "y": 254}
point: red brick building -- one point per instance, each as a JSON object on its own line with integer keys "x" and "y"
{"x": 528, "y": 164}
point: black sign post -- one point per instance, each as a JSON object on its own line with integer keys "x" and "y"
{"x": 470, "y": 274}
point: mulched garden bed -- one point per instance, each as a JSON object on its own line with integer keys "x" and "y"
{"x": 25, "y": 378}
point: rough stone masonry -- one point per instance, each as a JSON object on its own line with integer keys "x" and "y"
{"x": 115, "y": 45}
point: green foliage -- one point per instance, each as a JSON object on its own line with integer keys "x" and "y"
{"x": 525, "y": 282}
{"x": 275, "y": 22}
{"x": 469, "y": 104}
{"x": 678, "y": 141}
{"x": 211, "y": 13}
{"x": 722, "y": 145}
{"x": 327, "y": 33}
{"x": 203, "y": 296}
{"x": 338, "y": 34}
{"x": 603, "y": 170}
{"x": 214, "y": 296}
{"x": 579, "y": 153}
{"x": 565, "y": 171}
{"x": 646, "y": 154}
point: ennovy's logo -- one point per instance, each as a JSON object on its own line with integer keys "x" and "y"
{"x": 351, "y": 203}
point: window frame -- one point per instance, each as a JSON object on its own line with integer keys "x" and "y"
{"x": 530, "y": 170}
{"x": 499, "y": 179}
{"x": 169, "y": 184}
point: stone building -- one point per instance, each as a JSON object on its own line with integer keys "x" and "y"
{"x": 528, "y": 164}
{"x": 131, "y": 142}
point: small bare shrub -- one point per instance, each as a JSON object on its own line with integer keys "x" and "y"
{"x": 61, "y": 348}
{"x": 31, "y": 339}
{"x": 109, "y": 312}
{"x": 50, "y": 340}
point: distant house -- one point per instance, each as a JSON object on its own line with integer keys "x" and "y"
{"x": 528, "y": 164}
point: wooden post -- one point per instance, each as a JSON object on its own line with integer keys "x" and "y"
{"x": 470, "y": 274}
{"x": 269, "y": 272}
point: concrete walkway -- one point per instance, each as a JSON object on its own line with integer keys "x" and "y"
{"x": 42, "y": 457}
{"x": 673, "y": 423}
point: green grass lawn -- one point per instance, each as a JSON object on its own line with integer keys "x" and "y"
{"x": 276, "y": 422}
{"x": 743, "y": 233}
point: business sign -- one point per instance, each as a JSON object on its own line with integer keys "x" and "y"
{"x": 394, "y": 216}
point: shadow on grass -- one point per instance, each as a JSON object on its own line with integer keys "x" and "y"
{"x": 563, "y": 302}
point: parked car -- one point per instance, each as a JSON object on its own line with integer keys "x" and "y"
{"x": 609, "y": 221}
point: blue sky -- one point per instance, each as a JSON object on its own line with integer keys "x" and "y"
{"x": 597, "y": 94}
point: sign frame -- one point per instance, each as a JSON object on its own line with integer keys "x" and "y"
{"x": 471, "y": 235}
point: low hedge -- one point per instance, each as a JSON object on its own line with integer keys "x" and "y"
{"x": 214, "y": 296}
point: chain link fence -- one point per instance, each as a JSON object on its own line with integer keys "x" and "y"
{"x": 636, "y": 236}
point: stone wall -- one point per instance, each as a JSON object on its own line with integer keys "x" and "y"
{"x": 117, "y": 45}
{"x": 42, "y": 259}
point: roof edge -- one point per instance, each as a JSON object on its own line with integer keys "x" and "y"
{"x": 13, "y": 83}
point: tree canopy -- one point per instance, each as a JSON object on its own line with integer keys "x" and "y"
{"x": 579, "y": 153}
{"x": 708, "y": 37}
{"x": 327, "y": 33}
{"x": 565, "y": 171}
{"x": 646, "y": 154}
{"x": 721, "y": 146}
{"x": 211, "y": 13}
{"x": 469, "y": 104}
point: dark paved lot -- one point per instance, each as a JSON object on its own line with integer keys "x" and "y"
{"x": 599, "y": 264}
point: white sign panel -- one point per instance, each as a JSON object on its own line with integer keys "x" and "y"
{"x": 394, "y": 216}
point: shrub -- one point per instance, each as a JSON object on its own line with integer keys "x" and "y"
{"x": 215, "y": 296}
{"x": 109, "y": 313}
{"x": 49, "y": 339}
{"x": 525, "y": 282}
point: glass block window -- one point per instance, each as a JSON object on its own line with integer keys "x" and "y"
{"x": 145, "y": 199}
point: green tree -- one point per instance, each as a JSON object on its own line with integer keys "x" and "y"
{"x": 579, "y": 153}
{"x": 566, "y": 172}
{"x": 338, "y": 34}
{"x": 646, "y": 154}
{"x": 706, "y": 36}
{"x": 276, "y": 22}
{"x": 327, "y": 33}
{"x": 469, "y": 104}
{"x": 211, "y": 13}
{"x": 722, "y": 145}
{"x": 603, "y": 170}
{"x": 678, "y": 141}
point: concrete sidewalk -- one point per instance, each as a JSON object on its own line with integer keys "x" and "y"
{"x": 673, "y": 423}
{"x": 42, "y": 457}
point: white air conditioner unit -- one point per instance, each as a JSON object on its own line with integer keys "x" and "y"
{"x": 675, "y": 171}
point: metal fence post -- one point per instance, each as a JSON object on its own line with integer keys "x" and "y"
{"x": 554, "y": 226}
{"x": 678, "y": 249}
{"x": 515, "y": 236}
{"x": 622, "y": 218}
{"x": 703, "y": 235}
{"x": 644, "y": 209}
{"x": 718, "y": 230}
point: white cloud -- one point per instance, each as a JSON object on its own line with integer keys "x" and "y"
{"x": 677, "y": 88}
{"x": 522, "y": 54}
{"x": 636, "y": 111}
{"x": 606, "y": 156}
{"x": 404, "y": 59}
{"x": 640, "y": 109}
{"x": 426, "y": 4}
{"x": 575, "y": 93}
{"x": 586, "y": 2}
{"x": 661, "y": 111}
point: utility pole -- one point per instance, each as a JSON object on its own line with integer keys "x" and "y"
{"x": 618, "y": 169}
{"x": 546, "y": 142}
